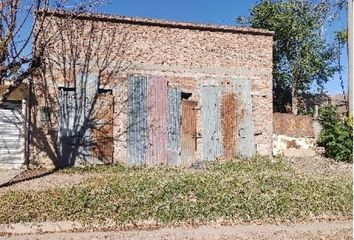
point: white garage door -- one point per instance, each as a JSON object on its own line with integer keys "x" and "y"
{"x": 11, "y": 139}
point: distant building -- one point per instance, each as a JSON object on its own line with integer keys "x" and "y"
{"x": 309, "y": 101}
{"x": 340, "y": 101}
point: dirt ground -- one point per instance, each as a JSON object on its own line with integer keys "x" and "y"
{"x": 320, "y": 166}
{"x": 44, "y": 179}
{"x": 322, "y": 230}
{"x": 7, "y": 175}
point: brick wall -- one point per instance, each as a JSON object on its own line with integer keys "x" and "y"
{"x": 293, "y": 125}
{"x": 188, "y": 55}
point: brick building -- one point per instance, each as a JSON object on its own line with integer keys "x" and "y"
{"x": 153, "y": 92}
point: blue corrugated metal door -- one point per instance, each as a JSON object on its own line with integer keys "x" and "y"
{"x": 66, "y": 126}
{"x": 75, "y": 120}
{"x": 137, "y": 119}
{"x": 210, "y": 99}
{"x": 245, "y": 145}
{"x": 173, "y": 125}
{"x": 86, "y": 93}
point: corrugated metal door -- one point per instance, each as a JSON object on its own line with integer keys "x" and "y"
{"x": 137, "y": 120}
{"x": 245, "y": 133}
{"x": 188, "y": 131}
{"x": 228, "y": 124}
{"x": 210, "y": 97}
{"x": 11, "y": 139}
{"x": 102, "y": 130}
{"x": 66, "y": 126}
{"x": 86, "y": 93}
{"x": 75, "y": 120}
{"x": 173, "y": 125}
{"x": 156, "y": 152}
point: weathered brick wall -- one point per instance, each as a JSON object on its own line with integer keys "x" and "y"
{"x": 282, "y": 143}
{"x": 293, "y": 125}
{"x": 189, "y": 56}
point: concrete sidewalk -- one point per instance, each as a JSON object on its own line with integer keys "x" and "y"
{"x": 333, "y": 230}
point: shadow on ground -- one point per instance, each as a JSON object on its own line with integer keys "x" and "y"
{"x": 11, "y": 177}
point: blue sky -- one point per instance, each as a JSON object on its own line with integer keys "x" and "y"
{"x": 205, "y": 11}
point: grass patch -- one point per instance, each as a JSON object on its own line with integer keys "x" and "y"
{"x": 239, "y": 190}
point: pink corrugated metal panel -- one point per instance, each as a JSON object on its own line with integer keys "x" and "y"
{"x": 157, "y": 121}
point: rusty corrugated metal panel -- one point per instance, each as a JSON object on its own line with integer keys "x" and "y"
{"x": 137, "y": 120}
{"x": 188, "y": 131}
{"x": 228, "y": 124}
{"x": 173, "y": 125}
{"x": 156, "y": 151}
{"x": 245, "y": 145}
{"x": 210, "y": 97}
{"x": 102, "y": 131}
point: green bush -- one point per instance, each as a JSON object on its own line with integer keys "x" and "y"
{"x": 337, "y": 135}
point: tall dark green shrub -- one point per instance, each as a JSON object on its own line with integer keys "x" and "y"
{"x": 337, "y": 135}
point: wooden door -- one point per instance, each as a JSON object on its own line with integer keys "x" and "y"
{"x": 102, "y": 129}
{"x": 188, "y": 131}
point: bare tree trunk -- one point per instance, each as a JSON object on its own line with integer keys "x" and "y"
{"x": 294, "y": 101}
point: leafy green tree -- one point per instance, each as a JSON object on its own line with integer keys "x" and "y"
{"x": 301, "y": 55}
{"x": 337, "y": 135}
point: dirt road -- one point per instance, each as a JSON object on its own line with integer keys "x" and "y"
{"x": 324, "y": 230}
